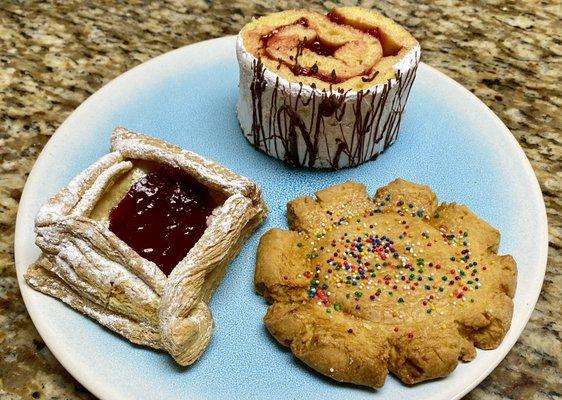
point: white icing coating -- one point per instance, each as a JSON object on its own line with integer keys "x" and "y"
{"x": 385, "y": 102}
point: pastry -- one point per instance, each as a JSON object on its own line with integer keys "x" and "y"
{"x": 324, "y": 91}
{"x": 140, "y": 240}
{"x": 361, "y": 286}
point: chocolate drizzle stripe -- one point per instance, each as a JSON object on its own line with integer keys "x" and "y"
{"x": 257, "y": 88}
{"x": 316, "y": 46}
{"x": 270, "y": 121}
{"x": 370, "y": 124}
{"x": 300, "y": 121}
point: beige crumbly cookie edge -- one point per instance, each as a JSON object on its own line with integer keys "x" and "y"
{"x": 415, "y": 354}
{"x": 89, "y": 267}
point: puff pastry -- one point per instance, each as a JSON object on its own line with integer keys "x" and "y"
{"x": 87, "y": 266}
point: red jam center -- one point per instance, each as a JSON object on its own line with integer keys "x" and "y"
{"x": 321, "y": 48}
{"x": 162, "y": 216}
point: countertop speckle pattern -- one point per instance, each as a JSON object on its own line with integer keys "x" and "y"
{"x": 53, "y": 56}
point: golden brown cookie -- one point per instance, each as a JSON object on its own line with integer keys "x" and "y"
{"x": 361, "y": 286}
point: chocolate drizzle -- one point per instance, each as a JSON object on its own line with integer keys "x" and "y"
{"x": 299, "y": 122}
{"x": 257, "y": 88}
{"x": 371, "y": 78}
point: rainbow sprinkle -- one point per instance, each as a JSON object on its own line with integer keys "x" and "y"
{"x": 356, "y": 261}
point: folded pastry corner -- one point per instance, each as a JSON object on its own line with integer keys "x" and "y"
{"x": 140, "y": 240}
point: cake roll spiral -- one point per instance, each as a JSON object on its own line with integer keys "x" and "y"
{"x": 324, "y": 91}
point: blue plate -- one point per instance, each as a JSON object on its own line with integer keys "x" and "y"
{"x": 449, "y": 140}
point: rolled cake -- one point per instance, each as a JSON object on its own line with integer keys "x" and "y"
{"x": 324, "y": 91}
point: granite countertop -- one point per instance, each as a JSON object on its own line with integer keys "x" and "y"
{"x": 53, "y": 56}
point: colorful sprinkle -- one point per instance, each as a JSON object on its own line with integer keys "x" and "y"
{"x": 367, "y": 259}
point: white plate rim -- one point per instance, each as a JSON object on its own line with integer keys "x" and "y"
{"x": 105, "y": 393}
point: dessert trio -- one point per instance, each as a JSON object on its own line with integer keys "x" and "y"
{"x": 358, "y": 286}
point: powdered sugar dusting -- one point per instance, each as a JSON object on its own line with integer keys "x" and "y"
{"x": 90, "y": 268}
{"x": 91, "y": 196}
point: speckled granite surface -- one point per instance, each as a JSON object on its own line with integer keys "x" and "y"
{"x": 53, "y": 56}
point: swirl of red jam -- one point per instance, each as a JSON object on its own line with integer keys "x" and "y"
{"x": 290, "y": 43}
{"x": 163, "y": 215}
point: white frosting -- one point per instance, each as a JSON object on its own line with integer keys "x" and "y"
{"x": 386, "y": 115}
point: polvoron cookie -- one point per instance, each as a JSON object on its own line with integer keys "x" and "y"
{"x": 361, "y": 286}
